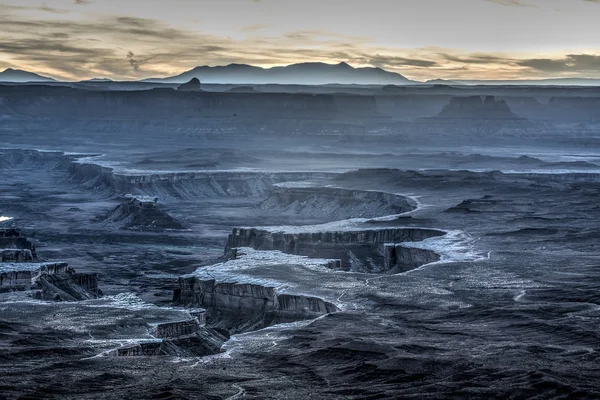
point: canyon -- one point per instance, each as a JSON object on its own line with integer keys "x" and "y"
{"x": 346, "y": 242}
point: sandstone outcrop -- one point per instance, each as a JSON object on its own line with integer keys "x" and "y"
{"x": 140, "y": 213}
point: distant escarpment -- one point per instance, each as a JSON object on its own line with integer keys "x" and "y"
{"x": 474, "y": 107}
{"x": 140, "y": 213}
{"x": 84, "y": 109}
{"x": 183, "y": 185}
{"x": 334, "y": 203}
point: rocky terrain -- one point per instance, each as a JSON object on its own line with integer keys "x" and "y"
{"x": 307, "y": 247}
{"x": 140, "y": 213}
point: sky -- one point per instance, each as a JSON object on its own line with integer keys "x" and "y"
{"x": 421, "y": 39}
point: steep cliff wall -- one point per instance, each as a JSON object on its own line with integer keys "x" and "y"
{"x": 239, "y": 307}
{"x": 13, "y": 239}
{"x": 177, "y": 329}
{"x": 183, "y": 185}
{"x": 399, "y": 259}
{"x": 359, "y": 251}
{"x": 19, "y": 276}
{"x": 13, "y": 255}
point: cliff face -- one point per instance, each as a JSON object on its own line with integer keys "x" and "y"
{"x": 360, "y": 251}
{"x": 203, "y": 341}
{"x": 238, "y": 307}
{"x": 19, "y": 276}
{"x": 15, "y": 247}
{"x": 65, "y": 287}
{"x": 183, "y": 185}
{"x": 47, "y": 281}
{"x": 13, "y": 255}
{"x": 335, "y": 204}
{"x": 401, "y": 259}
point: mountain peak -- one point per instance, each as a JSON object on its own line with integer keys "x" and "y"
{"x": 20, "y": 76}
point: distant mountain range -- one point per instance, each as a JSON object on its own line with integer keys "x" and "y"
{"x": 301, "y": 74}
{"x": 17, "y": 75}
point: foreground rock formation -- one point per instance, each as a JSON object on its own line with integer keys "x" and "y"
{"x": 237, "y": 303}
{"x": 187, "y": 338}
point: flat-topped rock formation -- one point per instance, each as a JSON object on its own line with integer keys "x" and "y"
{"x": 368, "y": 250}
{"x": 238, "y": 303}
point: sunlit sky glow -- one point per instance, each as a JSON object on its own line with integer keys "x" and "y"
{"x": 421, "y": 39}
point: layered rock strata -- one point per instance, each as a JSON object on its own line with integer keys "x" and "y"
{"x": 371, "y": 251}
{"x": 12, "y": 239}
{"x": 237, "y": 303}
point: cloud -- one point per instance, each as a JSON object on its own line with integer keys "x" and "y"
{"x": 583, "y": 63}
{"x": 475, "y": 58}
{"x": 43, "y": 7}
{"x": 388, "y": 61}
{"x": 255, "y": 27}
{"x": 124, "y": 47}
